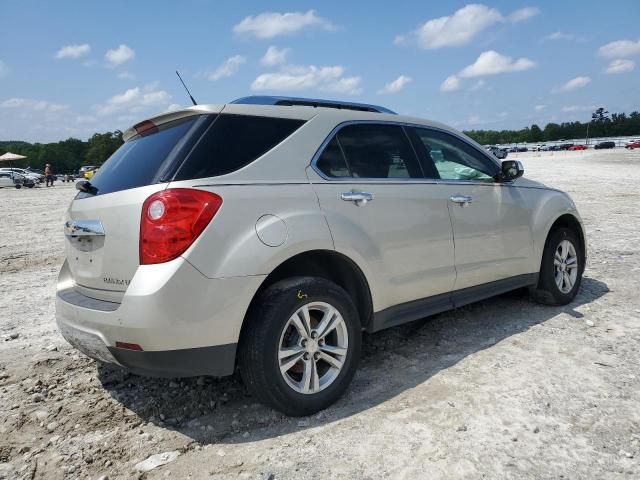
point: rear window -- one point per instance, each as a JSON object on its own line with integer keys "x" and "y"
{"x": 144, "y": 160}
{"x": 194, "y": 147}
{"x": 234, "y": 141}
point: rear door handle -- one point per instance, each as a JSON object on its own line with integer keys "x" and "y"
{"x": 462, "y": 200}
{"x": 359, "y": 198}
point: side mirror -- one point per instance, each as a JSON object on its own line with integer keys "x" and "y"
{"x": 511, "y": 169}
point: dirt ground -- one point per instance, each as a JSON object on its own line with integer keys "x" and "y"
{"x": 504, "y": 388}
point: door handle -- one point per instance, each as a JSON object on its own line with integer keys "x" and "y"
{"x": 359, "y": 198}
{"x": 462, "y": 200}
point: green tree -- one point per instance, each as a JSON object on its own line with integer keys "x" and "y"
{"x": 535, "y": 133}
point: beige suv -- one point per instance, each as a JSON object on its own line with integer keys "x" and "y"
{"x": 270, "y": 232}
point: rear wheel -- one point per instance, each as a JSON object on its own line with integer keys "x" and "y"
{"x": 18, "y": 186}
{"x": 301, "y": 345}
{"x": 561, "y": 269}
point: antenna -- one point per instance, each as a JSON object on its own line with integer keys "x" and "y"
{"x": 185, "y": 87}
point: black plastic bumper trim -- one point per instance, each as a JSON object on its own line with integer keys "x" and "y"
{"x": 216, "y": 361}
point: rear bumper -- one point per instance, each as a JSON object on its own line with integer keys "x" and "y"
{"x": 186, "y": 323}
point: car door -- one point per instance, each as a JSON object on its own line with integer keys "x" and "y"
{"x": 491, "y": 220}
{"x": 383, "y": 214}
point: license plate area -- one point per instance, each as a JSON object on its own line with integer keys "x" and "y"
{"x": 84, "y": 254}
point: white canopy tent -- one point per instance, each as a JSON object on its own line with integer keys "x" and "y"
{"x": 9, "y": 157}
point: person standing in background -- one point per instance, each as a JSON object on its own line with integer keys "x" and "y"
{"x": 48, "y": 175}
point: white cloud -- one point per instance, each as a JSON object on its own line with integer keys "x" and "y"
{"x": 4, "y": 69}
{"x": 461, "y": 27}
{"x": 31, "y": 104}
{"x": 126, "y": 76}
{"x": 488, "y": 63}
{"x": 274, "y": 56}
{"x": 451, "y": 83}
{"x": 273, "y": 24}
{"x": 452, "y": 31}
{"x": 119, "y": 55}
{"x": 397, "y": 85}
{"x": 134, "y": 100}
{"x": 230, "y": 66}
{"x": 74, "y": 51}
{"x": 620, "y": 49}
{"x": 573, "y": 84}
{"x": 539, "y": 108}
{"x": 327, "y": 79}
{"x": 493, "y": 63}
{"x": 620, "y": 65}
{"x": 578, "y": 108}
{"x": 555, "y": 36}
{"x": 173, "y": 107}
{"x": 523, "y": 14}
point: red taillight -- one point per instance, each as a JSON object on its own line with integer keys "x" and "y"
{"x": 129, "y": 346}
{"x": 171, "y": 221}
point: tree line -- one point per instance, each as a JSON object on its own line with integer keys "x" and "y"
{"x": 68, "y": 155}
{"x": 601, "y": 125}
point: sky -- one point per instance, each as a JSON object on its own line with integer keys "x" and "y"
{"x": 72, "y": 68}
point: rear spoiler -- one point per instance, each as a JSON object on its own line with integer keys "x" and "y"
{"x": 153, "y": 122}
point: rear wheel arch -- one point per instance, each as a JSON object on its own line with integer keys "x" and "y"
{"x": 327, "y": 264}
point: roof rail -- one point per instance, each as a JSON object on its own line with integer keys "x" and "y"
{"x": 310, "y": 102}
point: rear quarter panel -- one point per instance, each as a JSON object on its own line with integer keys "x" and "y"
{"x": 230, "y": 246}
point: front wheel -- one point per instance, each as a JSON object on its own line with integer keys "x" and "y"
{"x": 18, "y": 186}
{"x": 561, "y": 269}
{"x": 301, "y": 345}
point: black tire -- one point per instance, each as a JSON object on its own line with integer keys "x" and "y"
{"x": 547, "y": 291}
{"x": 260, "y": 341}
{"x": 18, "y": 186}
{"x": 30, "y": 185}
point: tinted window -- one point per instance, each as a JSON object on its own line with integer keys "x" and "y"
{"x": 332, "y": 162}
{"x": 378, "y": 151}
{"x": 453, "y": 158}
{"x": 232, "y": 142}
{"x": 142, "y": 160}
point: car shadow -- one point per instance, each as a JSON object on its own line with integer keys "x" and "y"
{"x": 214, "y": 410}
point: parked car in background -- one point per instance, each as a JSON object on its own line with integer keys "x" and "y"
{"x": 37, "y": 172}
{"x": 68, "y": 177}
{"x": 565, "y": 146}
{"x": 577, "y": 147}
{"x": 499, "y": 153}
{"x": 602, "y": 145}
{"x": 84, "y": 169}
{"x": 90, "y": 173}
{"x": 32, "y": 177}
{"x": 523, "y": 149}
{"x": 11, "y": 179}
{"x": 271, "y": 232}
{"x": 27, "y": 180}
{"x": 632, "y": 144}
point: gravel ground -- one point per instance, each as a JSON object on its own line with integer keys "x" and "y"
{"x": 504, "y": 388}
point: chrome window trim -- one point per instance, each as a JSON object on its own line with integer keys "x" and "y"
{"x": 340, "y": 126}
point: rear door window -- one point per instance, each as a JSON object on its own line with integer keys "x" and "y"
{"x": 234, "y": 141}
{"x": 378, "y": 151}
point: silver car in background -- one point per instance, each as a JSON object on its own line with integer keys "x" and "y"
{"x": 271, "y": 232}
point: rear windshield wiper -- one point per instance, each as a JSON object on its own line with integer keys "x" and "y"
{"x": 86, "y": 187}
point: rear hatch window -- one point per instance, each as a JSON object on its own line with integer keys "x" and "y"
{"x": 193, "y": 147}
